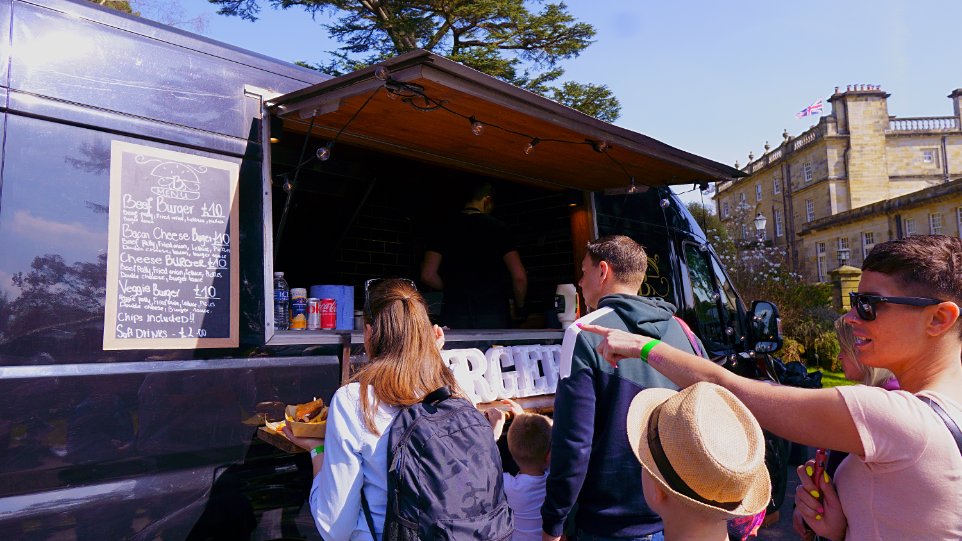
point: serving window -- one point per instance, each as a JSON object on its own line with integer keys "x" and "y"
{"x": 365, "y": 214}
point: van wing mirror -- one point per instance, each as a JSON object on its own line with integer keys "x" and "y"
{"x": 765, "y": 328}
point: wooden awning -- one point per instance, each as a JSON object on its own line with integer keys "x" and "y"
{"x": 382, "y": 108}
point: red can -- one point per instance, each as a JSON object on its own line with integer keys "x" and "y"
{"x": 313, "y": 314}
{"x": 328, "y": 313}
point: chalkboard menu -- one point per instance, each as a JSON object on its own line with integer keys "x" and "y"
{"x": 172, "y": 280}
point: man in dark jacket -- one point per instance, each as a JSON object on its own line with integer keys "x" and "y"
{"x": 590, "y": 455}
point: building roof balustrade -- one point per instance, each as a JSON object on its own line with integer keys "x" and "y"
{"x": 924, "y": 124}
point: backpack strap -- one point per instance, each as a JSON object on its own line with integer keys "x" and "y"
{"x": 436, "y": 396}
{"x": 367, "y": 515}
{"x": 949, "y": 422}
{"x": 692, "y": 339}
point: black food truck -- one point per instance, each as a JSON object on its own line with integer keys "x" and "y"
{"x": 153, "y": 181}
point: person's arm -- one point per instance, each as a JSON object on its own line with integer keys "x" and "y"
{"x": 335, "y": 496}
{"x": 519, "y": 278}
{"x": 429, "y": 270}
{"x": 815, "y": 417}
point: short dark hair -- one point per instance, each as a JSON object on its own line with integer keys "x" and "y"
{"x": 925, "y": 265}
{"x": 627, "y": 258}
{"x": 477, "y": 191}
{"x": 529, "y": 439}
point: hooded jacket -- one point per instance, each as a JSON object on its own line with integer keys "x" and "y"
{"x": 591, "y": 461}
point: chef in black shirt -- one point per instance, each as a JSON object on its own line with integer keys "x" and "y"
{"x": 475, "y": 262}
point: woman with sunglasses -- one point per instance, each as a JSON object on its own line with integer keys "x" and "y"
{"x": 903, "y": 476}
{"x": 405, "y": 365}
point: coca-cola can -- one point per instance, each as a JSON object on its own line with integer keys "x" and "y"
{"x": 328, "y": 313}
{"x": 313, "y": 314}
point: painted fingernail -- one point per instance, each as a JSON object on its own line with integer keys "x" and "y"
{"x": 815, "y": 494}
{"x": 809, "y": 471}
{"x": 820, "y": 510}
{"x": 818, "y": 517}
{"x": 578, "y": 324}
{"x": 825, "y": 476}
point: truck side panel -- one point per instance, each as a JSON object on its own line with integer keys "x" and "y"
{"x": 143, "y": 444}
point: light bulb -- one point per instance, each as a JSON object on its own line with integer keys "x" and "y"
{"x": 664, "y": 203}
{"x": 324, "y": 152}
{"x": 381, "y": 73}
{"x": 477, "y": 127}
{"x": 632, "y": 187}
{"x": 529, "y": 148}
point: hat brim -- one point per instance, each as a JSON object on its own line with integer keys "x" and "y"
{"x": 755, "y": 500}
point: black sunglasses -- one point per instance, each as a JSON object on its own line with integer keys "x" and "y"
{"x": 864, "y": 303}
{"x": 375, "y": 282}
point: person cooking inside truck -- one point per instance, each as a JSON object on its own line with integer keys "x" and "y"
{"x": 476, "y": 249}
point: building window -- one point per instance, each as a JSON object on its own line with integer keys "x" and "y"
{"x": 809, "y": 210}
{"x": 909, "y": 227}
{"x": 935, "y": 224}
{"x": 929, "y": 155}
{"x": 725, "y": 209}
{"x": 868, "y": 241}
{"x": 776, "y": 185}
{"x": 820, "y": 260}
{"x": 958, "y": 220}
{"x": 758, "y": 192}
{"x": 807, "y": 171}
{"x": 744, "y": 231}
{"x": 741, "y": 197}
{"x": 778, "y": 223}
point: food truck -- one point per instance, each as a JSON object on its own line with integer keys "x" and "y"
{"x": 153, "y": 181}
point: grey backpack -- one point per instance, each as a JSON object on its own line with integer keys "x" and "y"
{"x": 444, "y": 475}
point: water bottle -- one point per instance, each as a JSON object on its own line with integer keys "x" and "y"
{"x": 282, "y": 303}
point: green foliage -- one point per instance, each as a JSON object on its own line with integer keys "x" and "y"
{"x": 825, "y": 351}
{"x": 503, "y": 38}
{"x": 122, "y": 6}
{"x": 791, "y": 351}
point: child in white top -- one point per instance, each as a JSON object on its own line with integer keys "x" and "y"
{"x": 529, "y": 441}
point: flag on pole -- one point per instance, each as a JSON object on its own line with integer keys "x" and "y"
{"x": 815, "y": 108}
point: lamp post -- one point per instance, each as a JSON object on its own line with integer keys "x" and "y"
{"x": 843, "y": 255}
{"x": 760, "y": 222}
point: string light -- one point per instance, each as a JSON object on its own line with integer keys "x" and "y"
{"x": 415, "y": 96}
{"x": 324, "y": 153}
{"x": 632, "y": 187}
{"x": 529, "y": 148}
{"x": 477, "y": 127}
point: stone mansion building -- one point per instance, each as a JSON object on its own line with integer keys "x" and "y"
{"x": 857, "y": 178}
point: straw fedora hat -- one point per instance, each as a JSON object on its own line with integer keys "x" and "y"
{"x": 703, "y": 446}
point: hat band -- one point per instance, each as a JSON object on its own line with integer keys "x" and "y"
{"x": 668, "y": 472}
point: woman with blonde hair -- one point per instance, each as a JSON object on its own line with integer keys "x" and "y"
{"x": 854, "y": 370}
{"x": 405, "y": 366}
{"x": 901, "y": 479}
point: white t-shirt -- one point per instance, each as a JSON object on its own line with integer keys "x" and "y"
{"x": 908, "y": 486}
{"x": 353, "y": 458}
{"x": 525, "y": 495}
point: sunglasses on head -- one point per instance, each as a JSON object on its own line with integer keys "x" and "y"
{"x": 376, "y": 282}
{"x": 864, "y": 303}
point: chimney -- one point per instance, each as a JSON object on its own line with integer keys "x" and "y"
{"x": 956, "y": 97}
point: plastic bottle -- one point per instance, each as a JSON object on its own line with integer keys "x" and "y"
{"x": 282, "y": 303}
{"x": 566, "y": 304}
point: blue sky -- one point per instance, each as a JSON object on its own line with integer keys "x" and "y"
{"x": 714, "y": 78}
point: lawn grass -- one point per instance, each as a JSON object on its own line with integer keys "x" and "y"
{"x": 831, "y": 379}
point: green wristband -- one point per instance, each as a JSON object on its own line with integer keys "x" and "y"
{"x": 317, "y": 450}
{"x": 646, "y": 349}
